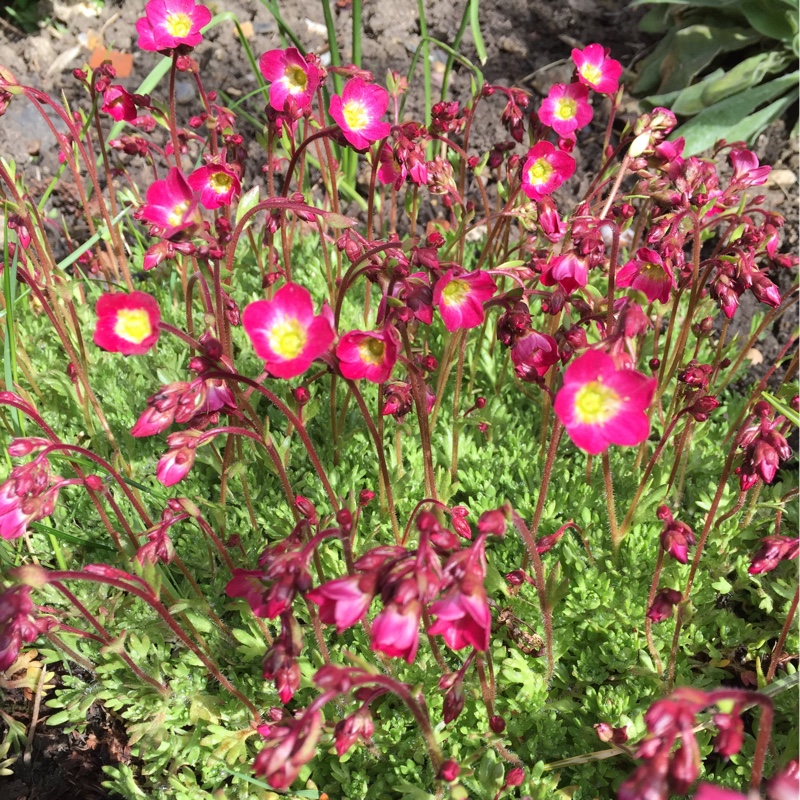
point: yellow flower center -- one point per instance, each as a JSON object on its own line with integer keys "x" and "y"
{"x": 287, "y": 339}
{"x": 596, "y": 404}
{"x": 296, "y": 79}
{"x": 540, "y": 172}
{"x": 454, "y": 293}
{"x": 178, "y": 212}
{"x": 355, "y": 115}
{"x": 372, "y": 351}
{"x": 566, "y": 108}
{"x": 133, "y": 325}
{"x": 179, "y": 25}
{"x": 592, "y": 73}
{"x": 220, "y": 182}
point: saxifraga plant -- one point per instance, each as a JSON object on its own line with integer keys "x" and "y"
{"x": 340, "y": 405}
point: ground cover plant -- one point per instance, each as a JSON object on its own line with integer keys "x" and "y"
{"x": 392, "y": 474}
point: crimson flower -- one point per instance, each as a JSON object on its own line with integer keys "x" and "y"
{"x": 171, "y": 205}
{"x": 460, "y": 298}
{"x": 368, "y": 354}
{"x": 285, "y": 333}
{"x": 127, "y": 323}
{"x": 545, "y": 169}
{"x": 772, "y": 551}
{"x": 395, "y": 631}
{"x": 569, "y": 271}
{"x": 216, "y": 184}
{"x": 344, "y": 601}
{"x": 463, "y": 617}
{"x": 358, "y": 112}
{"x": 18, "y": 623}
{"x": 290, "y": 745}
{"x": 566, "y": 108}
{"x": 663, "y": 604}
{"x": 649, "y": 274}
{"x": 168, "y": 24}
{"x": 600, "y": 405}
{"x": 291, "y": 76}
{"x": 596, "y": 70}
{"x": 119, "y": 104}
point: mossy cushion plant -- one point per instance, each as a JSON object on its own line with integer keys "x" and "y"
{"x": 327, "y": 501}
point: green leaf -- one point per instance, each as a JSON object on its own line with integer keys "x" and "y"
{"x": 729, "y": 118}
{"x": 694, "y": 48}
{"x": 773, "y": 19}
{"x": 475, "y": 27}
{"x": 688, "y": 102}
{"x": 743, "y": 76}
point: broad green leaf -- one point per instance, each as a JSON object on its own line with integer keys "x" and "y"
{"x": 695, "y": 47}
{"x": 690, "y": 101}
{"x": 743, "y": 76}
{"x": 730, "y": 119}
{"x": 773, "y": 19}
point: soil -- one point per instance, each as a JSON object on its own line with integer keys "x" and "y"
{"x": 528, "y": 44}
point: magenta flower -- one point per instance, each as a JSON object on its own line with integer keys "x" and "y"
{"x": 291, "y": 76}
{"x": 344, "y": 601}
{"x": 746, "y": 171}
{"x": 127, "y": 323}
{"x": 663, "y": 603}
{"x": 168, "y": 24}
{"x": 568, "y": 271}
{"x": 772, "y": 551}
{"x": 390, "y": 171}
{"x": 460, "y": 298}
{"x": 707, "y": 791}
{"x": 18, "y": 623}
{"x": 545, "y": 169}
{"x": 349, "y": 730}
{"x": 368, "y": 354}
{"x": 358, "y": 112}
{"x": 785, "y": 785}
{"x": 596, "y": 70}
{"x": 463, "y": 617}
{"x": 395, "y": 631}
{"x": 533, "y": 354}
{"x": 677, "y": 537}
{"x": 216, "y": 184}
{"x": 285, "y": 333}
{"x": 171, "y": 204}
{"x": 290, "y": 745}
{"x": 119, "y": 104}
{"x": 649, "y": 274}
{"x": 175, "y": 464}
{"x": 28, "y": 495}
{"x": 600, "y": 405}
{"x": 566, "y": 108}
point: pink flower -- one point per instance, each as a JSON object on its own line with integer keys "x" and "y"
{"x": 18, "y": 623}
{"x": 463, "y": 617}
{"x": 785, "y": 785}
{"x": 127, "y": 323}
{"x": 358, "y": 112}
{"x": 533, "y": 354}
{"x": 171, "y": 204}
{"x": 175, "y": 464}
{"x": 569, "y": 271}
{"x": 649, "y": 274}
{"x": 600, "y": 405}
{"x": 596, "y": 70}
{"x": 772, "y": 551}
{"x": 707, "y": 791}
{"x": 368, "y": 354}
{"x": 216, "y": 184}
{"x": 545, "y": 170}
{"x": 395, "y": 631}
{"x": 290, "y": 745}
{"x": 344, "y": 601}
{"x": 746, "y": 171}
{"x": 460, "y": 298}
{"x": 566, "y": 108}
{"x": 390, "y": 171}
{"x": 291, "y": 77}
{"x": 677, "y": 537}
{"x": 167, "y": 24}
{"x": 285, "y": 333}
{"x": 663, "y": 603}
{"x": 119, "y": 104}
{"x": 349, "y": 730}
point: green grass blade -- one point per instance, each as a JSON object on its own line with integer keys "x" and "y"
{"x": 9, "y": 340}
{"x": 475, "y": 27}
{"x": 357, "y": 32}
{"x": 456, "y": 44}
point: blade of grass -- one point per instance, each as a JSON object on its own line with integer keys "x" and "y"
{"x": 357, "y": 32}
{"x": 285, "y": 31}
{"x": 456, "y": 44}
{"x": 54, "y": 533}
{"x": 91, "y": 241}
{"x": 475, "y": 27}
{"x": 9, "y": 340}
{"x": 426, "y": 56}
{"x": 333, "y": 45}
